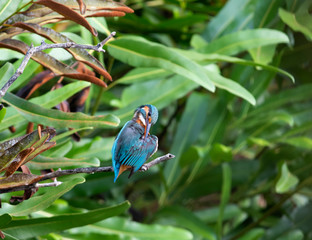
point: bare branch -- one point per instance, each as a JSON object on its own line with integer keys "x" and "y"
{"x": 44, "y": 46}
{"x": 89, "y": 170}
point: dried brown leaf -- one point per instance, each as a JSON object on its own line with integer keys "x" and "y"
{"x": 82, "y": 6}
{"x": 97, "y": 5}
{"x": 68, "y": 13}
{"x": 35, "y": 83}
{"x": 18, "y": 179}
{"x": 51, "y": 63}
{"x": 79, "y": 54}
{"x": 18, "y": 161}
{"x": 32, "y": 140}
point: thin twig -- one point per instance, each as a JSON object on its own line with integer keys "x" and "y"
{"x": 89, "y": 170}
{"x": 32, "y": 50}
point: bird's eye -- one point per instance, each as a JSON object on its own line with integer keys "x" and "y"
{"x": 149, "y": 114}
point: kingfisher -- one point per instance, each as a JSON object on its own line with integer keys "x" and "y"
{"x": 134, "y": 144}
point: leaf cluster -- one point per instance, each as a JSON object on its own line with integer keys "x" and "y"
{"x": 232, "y": 85}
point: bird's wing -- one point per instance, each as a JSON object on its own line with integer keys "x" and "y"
{"x": 132, "y": 151}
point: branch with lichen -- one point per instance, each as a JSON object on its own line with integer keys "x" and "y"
{"x": 32, "y": 50}
{"x": 89, "y": 170}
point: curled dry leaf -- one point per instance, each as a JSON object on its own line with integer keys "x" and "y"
{"x": 18, "y": 161}
{"x": 82, "y": 6}
{"x": 18, "y": 179}
{"x": 35, "y": 83}
{"x": 68, "y": 13}
{"x": 51, "y": 63}
{"x": 79, "y": 54}
{"x": 16, "y": 152}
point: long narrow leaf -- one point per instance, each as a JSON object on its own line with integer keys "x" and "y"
{"x": 55, "y": 118}
{"x": 29, "y": 228}
{"x": 138, "y": 52}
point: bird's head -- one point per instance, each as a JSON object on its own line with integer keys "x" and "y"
{"x": 146, "y": 115}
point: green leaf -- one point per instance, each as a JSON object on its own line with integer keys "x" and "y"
{"x": 143, "y": 74}
{"x": 5, "y": 219}
{"x": 40, "y": 202}
{"x": 243, "y": 40}
{"x": 225, "y": 195}
{"x": 97, "y": 147}
{"x": 265, "y": 14}
{"x": 2, "y": 113}
{"x": 182, "y": 217}
{"x": 100, "y": 25}
{"x": 188, "y": 130}
{"x": 138, "y": 52}
{"x": 30, "y": 69}
{"x": 259, "y": 141}
{"x": 253, "y": 234}
{"x": 209, "y": 58}
{"x": 48, "y": 100}
{"x": 276, "y": 101}
{"x": 68, "y": 133}
{"x": 234, "y": 16}
{"x": 220, "y": 153}
{"x": 42, "y": 162}
{"x": 126, "y": 229}
{"x": 299, "y": 142}
{"x": 55, "y": 118}
{"x": 6, "y": 71}
{"x": 217, "y": 122}
{"x": 28, "y": 228}
{"x": 263, "y": 55}
{"x": 231, "y": 86}
{"x": 53, "y": 98}
{"x": 8, "y": 8}
{"x": 301, "y": 21}
{"x": 286, "y": 180}
{"x": 164, "y": 92}
{"x": 211, "y": 214}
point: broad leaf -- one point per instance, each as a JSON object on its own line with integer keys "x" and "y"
{"x": 28, "y": 228}
{"x": 42, "y": 162}
{"x": 56, "y": 118}
{"x": 188, "y": 130}
{"x": 6, "y": 71}
{"x": 244, "y": 40}
{"x": 164, "y": 92}
{"x": 234, "y": 16}
{"x": 211, "y": 58}
{"x": 300, "y": 21}
{"x": 124, "y": 229}
{"x": 5, "y": 219}
{"x": 2, "y": 113}
{"x": 183, "y": 217}
{"x": 40, "y": 202}
{"x": 231, "y": 86}
{"x": 48, "y": 100}
{"x": 286, "y": 180}
{"x": 8, "y": 8}
{"x": 300, "y": 142}
{"x": 138, "y": 52}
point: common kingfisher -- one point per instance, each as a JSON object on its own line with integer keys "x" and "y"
{"x": 134, "y": 144}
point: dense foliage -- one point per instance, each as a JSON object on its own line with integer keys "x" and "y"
{"x": 231, "y": 83}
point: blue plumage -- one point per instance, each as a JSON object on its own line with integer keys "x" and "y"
{"x": 133, "y": 145}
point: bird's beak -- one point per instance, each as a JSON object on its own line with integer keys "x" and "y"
{"x": 147, "y": 128}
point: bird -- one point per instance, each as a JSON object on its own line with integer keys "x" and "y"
{"x": 134, "y": 144}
